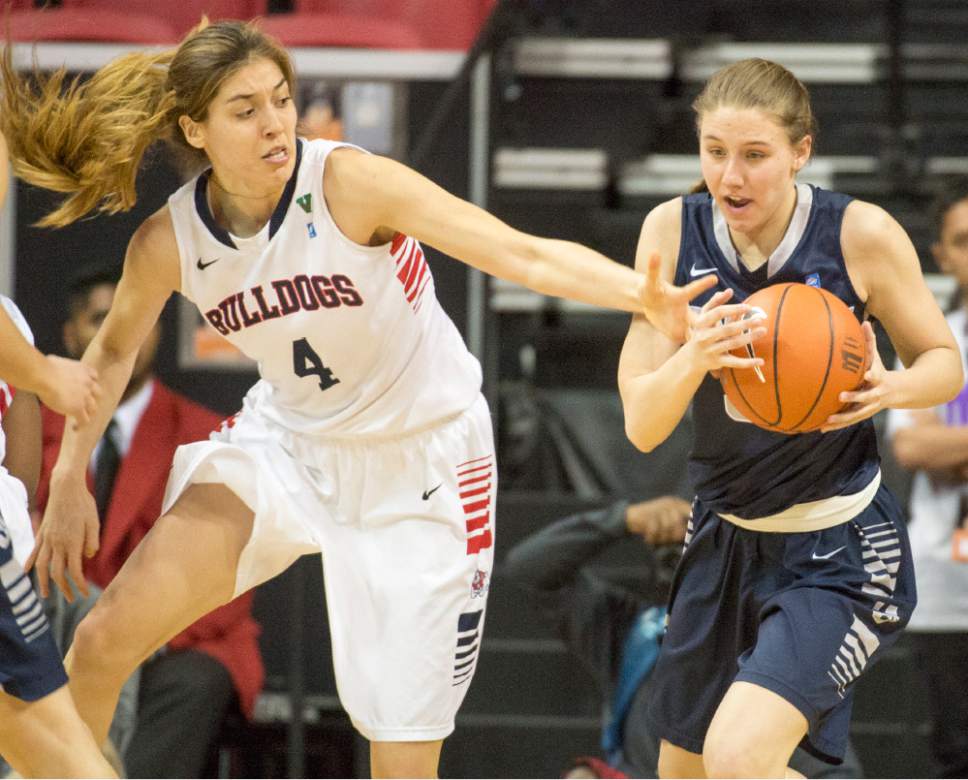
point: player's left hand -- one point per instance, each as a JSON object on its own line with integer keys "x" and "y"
{"x": 667, "y": 306}
{"x": 871, "y": 397}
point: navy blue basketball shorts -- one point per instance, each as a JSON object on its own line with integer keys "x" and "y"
{"x": 30, "y": 663}
{"x": 800, "y": 614}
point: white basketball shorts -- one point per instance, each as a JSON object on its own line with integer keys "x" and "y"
{"x": 406, "y": 529}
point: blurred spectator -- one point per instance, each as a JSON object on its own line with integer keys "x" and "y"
{"x": 934, "y": 445}
{"x": 614, "y": 629}
{"x": 214, "y": 666}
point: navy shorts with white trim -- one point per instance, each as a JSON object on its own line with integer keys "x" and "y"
{"x": 30, "y": 663}
{"x": 801, "y": 614}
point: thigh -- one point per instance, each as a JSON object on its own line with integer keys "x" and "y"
{"x": 271, "y": 488}
{"x": 754, "y": 720}
{"x": 674, "y": 761}
{"x": 183, "y": 699}
{"x": 183, "y": 569}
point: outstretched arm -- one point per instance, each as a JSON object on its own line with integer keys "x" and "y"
{"x": 64, "y": 385}
{"x": 70, "y": 525}
{"x": 368, "y": 193}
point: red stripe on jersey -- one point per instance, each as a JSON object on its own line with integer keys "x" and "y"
{"x": 418, "y": 264}
{"x": 485, "y": 467}
{"x": 478, "y": 522}
{"x": 416, "y": 287}
{"x": 473, "y": 460}
{"x": 423, "y": 286}
{"x": 398, "y": 239}
{"x": 404, "y": 271}
{"x": 477, "y": 506}
{"x": 473, "y": 480}
{"x": 477, "y": 543}
{"x": 476, "y": 491}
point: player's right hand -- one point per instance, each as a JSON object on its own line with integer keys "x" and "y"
{"x": 71, "y": 388}
{"x": 718, "y": 329}
{"x": 69, "y": 530}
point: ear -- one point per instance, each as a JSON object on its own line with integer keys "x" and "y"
{"x": 193, "y": 131}
{"x": 801, "y": 152}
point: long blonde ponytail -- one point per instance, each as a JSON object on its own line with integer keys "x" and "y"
{"x": 86, "y": 138}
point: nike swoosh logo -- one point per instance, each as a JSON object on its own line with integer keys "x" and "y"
{"x": 701, "y": 271}
{"x": 202, "y": 266}
{"x": 828, "y": 555}
{"x": 428, "y": 493}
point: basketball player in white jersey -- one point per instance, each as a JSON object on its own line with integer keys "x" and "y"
{"x": 366, "y": 436}
{"x": 41, "y": 734}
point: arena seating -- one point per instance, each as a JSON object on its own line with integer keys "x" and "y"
{"x": 413, "y": 24}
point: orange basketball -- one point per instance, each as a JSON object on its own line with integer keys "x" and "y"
{"x": 814, "y": 349}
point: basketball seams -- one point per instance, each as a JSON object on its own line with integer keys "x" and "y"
{"x": 749, "y": 407}
{"x": 776, "y": 354}
{"x": 830, "y": 359}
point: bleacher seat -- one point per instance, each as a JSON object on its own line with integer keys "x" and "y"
{"x": 134, "y": 21}
{"x": 389, "y": 24}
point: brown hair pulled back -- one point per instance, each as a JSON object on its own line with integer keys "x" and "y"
{"x": 87, "y": 138}
{"x": 764, "y": 85}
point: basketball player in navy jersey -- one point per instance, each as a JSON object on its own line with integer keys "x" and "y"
{"x": 796, "y": 573}
{"x": 366, "y": 436}
{"x": 42, "y": 734}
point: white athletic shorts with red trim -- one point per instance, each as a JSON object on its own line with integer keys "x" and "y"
{"x": 406, "y": 529}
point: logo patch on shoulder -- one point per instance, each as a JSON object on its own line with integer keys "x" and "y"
{"x": 305, "y": 202}
{"x": 812, "y": 280}
{"x": 312, "y": 229}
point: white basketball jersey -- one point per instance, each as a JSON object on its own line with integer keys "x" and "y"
{"x": 350, "y": 340}
{"x": 6, "y": 391}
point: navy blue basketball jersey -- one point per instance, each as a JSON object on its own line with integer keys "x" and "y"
{"x": 736, "y": 467}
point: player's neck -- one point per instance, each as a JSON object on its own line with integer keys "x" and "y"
{"x": 241, "y": 213}
{"x": 754, "y": 248}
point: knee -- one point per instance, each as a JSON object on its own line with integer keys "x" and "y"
{"x": 99, "y": 640}
{"x": 738, "y": 758}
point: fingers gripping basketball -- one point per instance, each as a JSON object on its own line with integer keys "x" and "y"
{"x": 813, "y": 350}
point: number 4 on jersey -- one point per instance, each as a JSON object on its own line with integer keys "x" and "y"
{"x": 305, "y": 362}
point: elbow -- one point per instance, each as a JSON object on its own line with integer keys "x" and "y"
{"x": 954, "y": 379}
{"x": 957, "y": 381}
{"x": 640, "y": 441}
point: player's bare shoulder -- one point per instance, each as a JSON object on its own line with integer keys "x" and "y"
{"x": 874, "y": 246}
{"x": 660, "y": 233}
{"x": 152, "y": 254}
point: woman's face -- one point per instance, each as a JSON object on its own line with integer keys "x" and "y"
{"x": 951, "y": 248}
{"x": 749, "y": 166}
{"x": 249, "y": 134}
